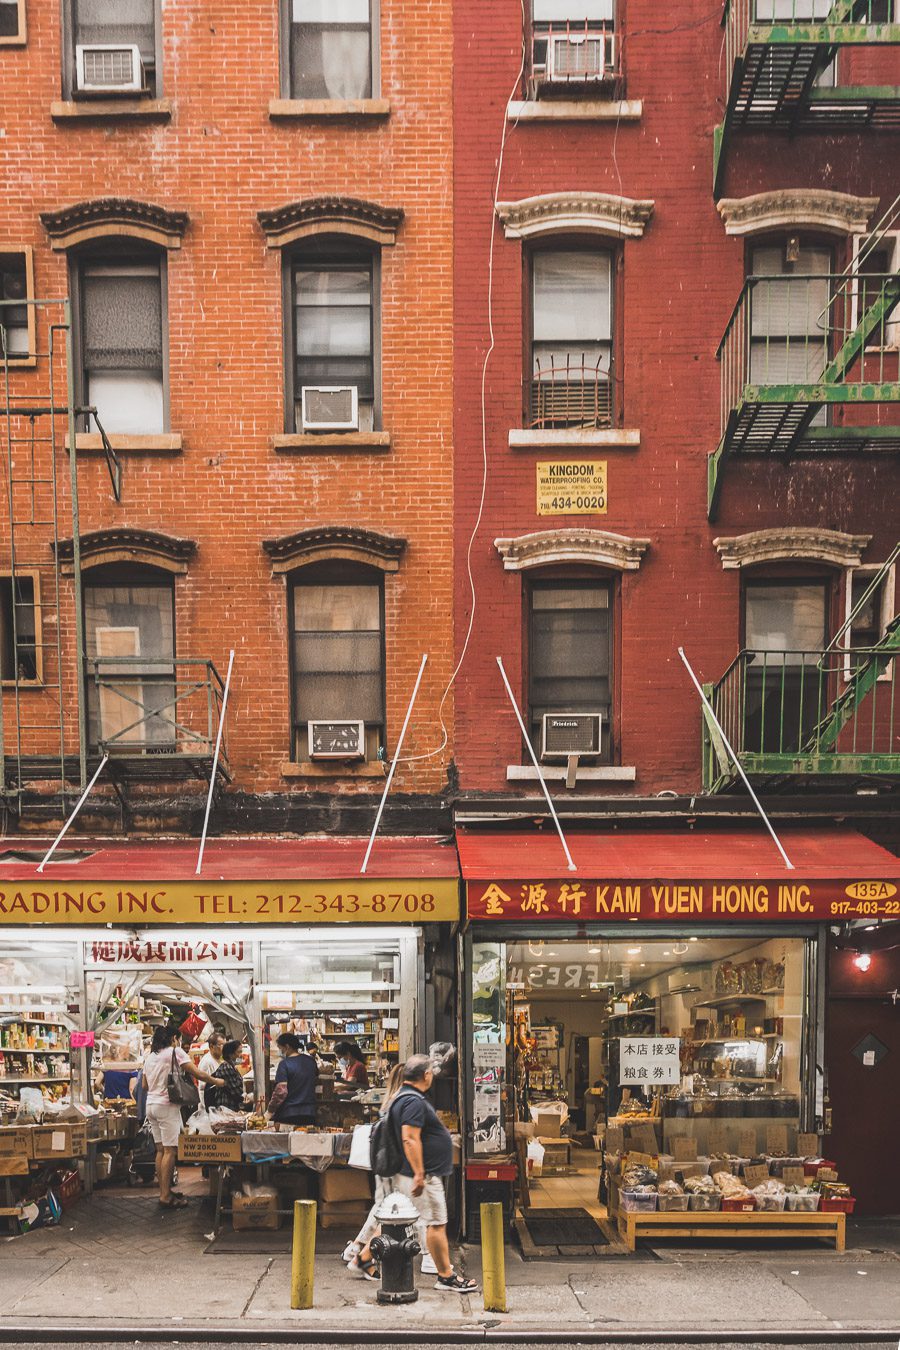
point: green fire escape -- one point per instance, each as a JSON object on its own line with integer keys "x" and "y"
{"x": 783, "y": 60}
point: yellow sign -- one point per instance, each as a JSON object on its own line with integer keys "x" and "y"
{"x": 353, "y": 900}
{"x": 575, "y": 487}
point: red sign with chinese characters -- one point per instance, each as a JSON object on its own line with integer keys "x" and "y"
{"x": 592, "y": 901}
{"x": 153, "y": 952}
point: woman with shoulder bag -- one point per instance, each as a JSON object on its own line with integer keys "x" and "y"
{"x": 169, "y": 1082}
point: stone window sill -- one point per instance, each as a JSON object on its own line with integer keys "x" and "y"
{"x": 556, "y": 773}
{"x": 326, "y": 442}
{"x": 304, "y": 109}
{"x": 584, "y": 110}
{"x": 334, "y": 769}
{"x": 575, "y": 438}
{"x": 156, "y": 442}
{"x": 112, "y": 110}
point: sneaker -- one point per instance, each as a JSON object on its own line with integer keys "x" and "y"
{"x": 352, "y": 1249}
{"x": 364, "y": 1270}
{"x": 456, "y": 1284}
{"x": 428, "y": 1266}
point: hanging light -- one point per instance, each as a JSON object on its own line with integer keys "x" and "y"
{"x": 862, "y": 961}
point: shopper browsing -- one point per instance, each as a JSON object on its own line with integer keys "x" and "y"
{"x": 164, "y": 1116}
{"x": 227, "y": 1087}
{"x": 210, "y": 1062}
{"x": 428, "y": 1159}
{"x": 293, "y": 1100}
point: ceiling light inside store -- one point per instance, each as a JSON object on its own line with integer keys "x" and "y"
{"x": 862, "y": 960}
{"x": 680, "y": 948}
{"x": 595, "y": 951}
{"x": 634, "y": 951}
{"x": 695, "y": 939}
{"x": 667, "y": 953}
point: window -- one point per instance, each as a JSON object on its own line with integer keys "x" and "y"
{"x": 16, "y": 316}
{"x": 120, "y": 303}
{"x": 129, "y": 621}
{"x": 337, "y": 651}
{"x": 790, "y": 315}
{"x": 786, "y": 691}
{"x": 873, "y": 263}
{"x": 869, "y": 624}
{"x": 12, "y": 22}
{"x": 573, "y": 43}
{"x": 571, "y": 338}
{"x": 333, "y": 327}
{"x": 19, "y": 649}
{"x": 570, "y": 652}
{"x": 330, "y": 46}
{"x": 117, "y": 26}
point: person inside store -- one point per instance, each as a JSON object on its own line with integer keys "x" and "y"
{"x": 352, "y": 1063}
{"x": 210, "y": 1062}
{"x": 293, "y": 1100}
{"x": 428, "y": 1153}
{"x": 163, "y": 1115}
{"x": 227, "y": 1087}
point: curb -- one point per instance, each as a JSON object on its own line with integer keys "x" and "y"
{"x": 493, "y": 1335}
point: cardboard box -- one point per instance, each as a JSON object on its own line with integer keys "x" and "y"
{"x": 254, "y": 1211}
{"x": 205, "y": 1149}
{"x": 337, "y": 1214}
{"x": 548, "y": 1125}
{"x": 345, "y": 1183}
{"x": 15, "y": 1142}
{"x": 51, "y": 1142}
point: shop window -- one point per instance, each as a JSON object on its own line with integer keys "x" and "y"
{"x": 19, "y": 650}
{"x": 112, "y": 48}
{"x": 337, "y": 656}
{"x": 333, "y": 339}
{"x": 786, "y": 689}
{"x": 330, "y": 49}
{"x": 17, "y": 319}
{"x": 790, "y": 315}
{"x": 12, "y": 22}
{"x": 570, "y": 653}
{"x": 129, "y": 621}
{"x": 119, "y": 303}
{"x": 571, "y": 331}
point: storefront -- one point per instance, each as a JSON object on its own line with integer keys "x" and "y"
{"x": 663, "y": 1002}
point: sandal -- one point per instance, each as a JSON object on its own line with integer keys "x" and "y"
{"x": 364, "y": 1270}
{"x": 177, "y": 1202}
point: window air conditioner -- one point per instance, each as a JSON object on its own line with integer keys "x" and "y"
{"x": 337, "y": 740}
{"x": 570, "y": 58}
{"x": 107, "y": 69}
{"x": 564, "y": 735}
{"x": 330, "y": 407}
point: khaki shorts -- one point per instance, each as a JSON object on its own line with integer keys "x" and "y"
{"x": 431, "y": 1204}
{"x": 164, "y": 1119}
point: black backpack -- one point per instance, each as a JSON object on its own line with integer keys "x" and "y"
{"x": 385, "y": 1145}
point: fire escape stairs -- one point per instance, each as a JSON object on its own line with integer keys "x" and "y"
{"x": 875, "y": 661}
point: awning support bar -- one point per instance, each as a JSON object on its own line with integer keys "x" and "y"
{"x": 734, "y": 759}
{"x": 76, "y": 808}
{"x": 515, "y": 707}
{"x": 390, "y": 777}
{"x": 215, "y": 763}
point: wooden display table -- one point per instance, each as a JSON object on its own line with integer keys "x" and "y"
{"x": 686, "y": 1224}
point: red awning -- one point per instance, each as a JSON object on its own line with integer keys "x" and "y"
{"x": 666, "y": 874}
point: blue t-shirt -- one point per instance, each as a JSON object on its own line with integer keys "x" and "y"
{"x": 300, "y": 1074}
{"x": 411, "y": 1107}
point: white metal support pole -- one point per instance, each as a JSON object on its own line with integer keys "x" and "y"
{"x": 512, "y": 698}
{"x": 390, "y": 777}
{"x": 737, "y": 763}
{"x": 78, "y": 805}
{"x": 215, "y": 766}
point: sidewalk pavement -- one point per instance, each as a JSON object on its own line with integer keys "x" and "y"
{"x": 116, "y": 1260}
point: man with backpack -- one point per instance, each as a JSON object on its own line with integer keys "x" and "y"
{"x": 414, "y": 1148}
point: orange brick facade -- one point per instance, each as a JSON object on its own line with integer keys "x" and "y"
{"x": 222, "y": 158}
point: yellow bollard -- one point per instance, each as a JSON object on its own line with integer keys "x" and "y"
{"x": 493, "y": 1258}
{"x": 303, "y": 1255}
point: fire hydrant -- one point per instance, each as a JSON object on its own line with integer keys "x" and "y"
{"x": 395, "y": 1248}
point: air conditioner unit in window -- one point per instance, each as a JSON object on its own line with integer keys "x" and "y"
{"x": 104, "y": 68}
{"x": 336, "y": 740}
{"x": 332, "y": 407}
{"x": 572, "y": 58}
{"x": 566, "y": 734}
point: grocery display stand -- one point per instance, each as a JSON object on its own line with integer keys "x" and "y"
{"x": 658, "y": 1225}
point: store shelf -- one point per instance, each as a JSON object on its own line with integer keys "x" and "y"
{"x": 16, "y": 1013}
{"x": 46, "y": 1079}
{"x": 740, "y": 1078}
{"x": 726, "y": 1040}
{"x": 722, "y": 999}
{"x": 29, "y": 1050}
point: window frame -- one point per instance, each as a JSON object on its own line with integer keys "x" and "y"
{"x": 69, "y": 82}
{"x": 27, "y": 253}
{"x": 325, "y": 251}
{"x": 20, "y": 37}
{"x": 583, "y": 579}
{"x": 333, "y": 572}
{"x": 285, "y": 21}
{"x": 784, "y": 577}
{"x": 122, "y": 251}
{"x": 867, "y": 572}
{"x": 34, "y": 575}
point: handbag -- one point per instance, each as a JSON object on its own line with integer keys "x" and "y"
{"x": 183, "y": 1091}
{"x": 192, "y": 1025}
{"x": 361, "y": 1148}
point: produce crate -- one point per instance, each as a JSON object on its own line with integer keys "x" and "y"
{"x": 704, "y": 1204}
{"x": 738, "y": 1206}
{"x": 633, "y": 1202}
{"x": 668, "y": 1203}
{"x": 838, "y": 1204}
{"x": 811, "y": 1169}
{"x": 804, "y": 1204}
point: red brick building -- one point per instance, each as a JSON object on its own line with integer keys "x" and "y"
{"x": 234, "y": 202}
